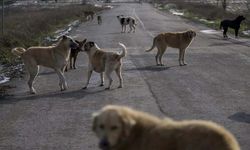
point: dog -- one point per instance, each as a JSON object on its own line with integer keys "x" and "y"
{"x": 74, "y": 53}
{"x": 180, "y": 40}
{"x": 55, "y": 57}
{"x": 99, "y": 19}
{"x": 104, "y": 62}
{"x": 123, "y": 128}
{"x": 234, "y": 24}
{"x": 89, "y": 15}
{"x": 124, "y": 21}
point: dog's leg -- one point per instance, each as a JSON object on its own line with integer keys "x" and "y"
{"x": 102, "y": 79}
{"x": 108, "y": 75}
{"x": 74, "y": 63}
{"x": 225, "y": 32}
{"x": 161, "y": 50}
{"x": 33, "y": 71}
{"x": 134, "y": 28}
{"x": 89, "y": 75}
{"x": 236, "y": 33}
{"x": 125, "y": 28}
{"x": 182, "y": 57}
{"x": 70, "y": 61}
{"x": 130, "y": 28}
{"x": 119, "y": 74}
{"x": 62, "y": 81}
{"x": 156, "y": 58}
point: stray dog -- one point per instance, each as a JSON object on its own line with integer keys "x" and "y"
{"x": 99, "y": 19}
{"x": 235, "y": 24}
{"x": 74, "y": 53}
{"x": 180, "y": 40}
{"x": 104, "y": 62}
{"x": 55, "y": 57}
{"x": 124, "y": 21}
{"x": 122, "y": 128}
{"x": 89, "y": 15}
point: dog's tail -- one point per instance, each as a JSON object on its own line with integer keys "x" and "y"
{"x": 124, "y": 50}
{"x": 153, "y": 46}
{"x": 18, "y": 51}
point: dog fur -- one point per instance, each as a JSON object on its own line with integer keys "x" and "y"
{"x": 124, "y": 21}
{"x": 74, "y": 53}
{"x": 234, "y": 24}
{"x": 104, "y": 62}
{"x": 180, "y": 40}
{"x": 55, "y": 57}
{"x": 122, "y": 128}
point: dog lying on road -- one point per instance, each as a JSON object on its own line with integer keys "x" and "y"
{"x": 180, "y": 40}
{"x": 122, "y": 128}
{"x": 124, "y": 21}
{"x": 55, "y": 57}
{"x": 235, "y": 24}
{"x": 104, "y": 62}
{"x": 74, "y": 53}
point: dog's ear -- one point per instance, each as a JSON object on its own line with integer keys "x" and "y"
{"x": 91, "y": 44}
{"x": 94, "y": 123}
{"x": 128, "y": 123}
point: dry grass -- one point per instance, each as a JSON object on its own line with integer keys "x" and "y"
{"x": 28, "y": 26}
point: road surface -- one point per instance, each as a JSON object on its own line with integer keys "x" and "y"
{"x": 215, "y": 85}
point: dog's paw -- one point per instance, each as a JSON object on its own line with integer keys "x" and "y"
{"x": 101, "y": 84}
{"x": 107, "y": 88}
{"x": 120, "y": 86}
{"x": 84, "y": 88}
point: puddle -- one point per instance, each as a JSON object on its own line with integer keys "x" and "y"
{"x": 210, "y": 31}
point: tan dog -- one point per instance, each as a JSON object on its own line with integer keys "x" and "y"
{"x": 180, "y": 40}
{"x": 122, "y": 128}
{"x": 55, "y": 57}
{"x": 104, "y": 62}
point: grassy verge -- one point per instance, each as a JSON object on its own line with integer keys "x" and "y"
{"x": 209, "y": 15}
{"x": 28, "y": 26}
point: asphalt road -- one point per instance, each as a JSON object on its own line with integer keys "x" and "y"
{"x": 215, "y": 85}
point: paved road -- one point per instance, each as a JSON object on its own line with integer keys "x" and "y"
{"x": 214, "y": 86}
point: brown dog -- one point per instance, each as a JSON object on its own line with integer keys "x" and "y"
{"x": 180, "y": 40}
{"x": 74, "y": 53}
{"x": 55, "y": 57}
{"x": 122, "y": 128}
{"x": 104, "y": 62}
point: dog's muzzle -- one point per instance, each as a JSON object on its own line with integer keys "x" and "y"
{"x": 104, "y": 144}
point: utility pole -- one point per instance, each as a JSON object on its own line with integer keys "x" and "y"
{"x": 2, "y": 16}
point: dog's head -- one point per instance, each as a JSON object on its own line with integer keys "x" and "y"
{"x": 240, "y": 18}
{"x": 190, "y": 34}
{"x": 69, "y": 42}
{"x": 89, "y": 45}
{"x": 112, "y": 125}
{"x": 80, "y": 45}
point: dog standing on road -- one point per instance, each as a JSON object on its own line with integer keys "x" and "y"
{"x": 124, "y": 21}
{"x": 55, "y": 57}
{"x": 180, "y": 40}
{"x": 123, "y": 128}
{"x": 235, "y": 24}
{"x": 104, "y": 62}
{"x": 74, "y": 53}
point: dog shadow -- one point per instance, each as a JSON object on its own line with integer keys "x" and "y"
{"x": 240, "y": 117}
{"x": 77, "y": 94}
{"x": 152, "y": 68}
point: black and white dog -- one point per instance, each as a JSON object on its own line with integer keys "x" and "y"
{"x": 124, "y": 21}
{"x": 235, "y": 24}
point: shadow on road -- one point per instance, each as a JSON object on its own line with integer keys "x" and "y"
{"x": 151, "y": 68}
{"x": 240, "y": 117}
{"x": 78, "y": 94}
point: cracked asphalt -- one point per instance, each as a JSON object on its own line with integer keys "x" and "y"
{"x": 215, "y": 85}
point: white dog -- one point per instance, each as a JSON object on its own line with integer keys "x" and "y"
{"x": 104, "y": 62}
{"x": 124, "y": 21}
